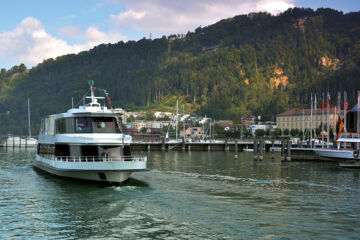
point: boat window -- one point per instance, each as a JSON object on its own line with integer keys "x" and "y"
{"x": 103, "y": 125}
{"x": 127, "y": 151}
{"x": 62, "y": 150}
{"x": 89, "y": 150}
{"x": 84, "y": 125}
{"x": 65, "y": 125}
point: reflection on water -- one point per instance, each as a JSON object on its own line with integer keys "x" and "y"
{"x": 197, "y": 195}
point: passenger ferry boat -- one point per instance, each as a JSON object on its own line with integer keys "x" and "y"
{"x": 87, "y": 143}
{"x": 346, "y": 153}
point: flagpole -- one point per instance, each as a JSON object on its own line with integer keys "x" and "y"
{"x": 322, "y": 120}
{"x": 358, "y": 117}
{"x": 327, "y": 120}
{"x": 311, "y": 117}
{"x": 345, "y": 110}
{"x": 315, "y": 112}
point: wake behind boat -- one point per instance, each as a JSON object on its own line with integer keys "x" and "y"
{"x": 87, "y": 143}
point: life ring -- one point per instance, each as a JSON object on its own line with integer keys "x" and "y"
{"x": 356, "y": 153}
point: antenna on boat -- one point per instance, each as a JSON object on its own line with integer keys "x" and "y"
{"x": 28, "y": 101}
{"x": 94, "y": 99}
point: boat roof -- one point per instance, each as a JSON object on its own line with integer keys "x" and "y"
{"x": 350, "y": 140}
{"x": 93, "y": 108}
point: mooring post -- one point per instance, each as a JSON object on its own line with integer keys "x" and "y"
{"x": 25, "y": 142}
{"x": 282, "y": 150}
{"x": 208, "y": 147}
{"x": 189, "y": 147}
{"x": 236, "y": 150}
{"x": 272, "y": 148}
{"x": 308, "y": 143}
{"x": 19, "y": 142}
{"x": 148, "y": 147}
{"x": 255, "y": 149}
{"x": 288, "y": 158}
{"x": 261, "y": 152}
{"x": 13, "y": 141}
{"x": 226, "y": 145}
{"x": 183, "y": 144}
{"x": 163, "y": 144}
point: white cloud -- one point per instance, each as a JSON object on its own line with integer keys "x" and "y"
{"x": 29, "y": 43}
{"x": 166, "y": 17}
{"x": 274, "y": 6}
{"x": 70, "y": 31}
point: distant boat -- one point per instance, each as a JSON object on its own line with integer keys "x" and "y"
{"x": 19, "y": 141}
{"x": 346, "y": 157}
{"x": 247, "y": 149}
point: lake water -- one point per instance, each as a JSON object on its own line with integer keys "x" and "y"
{"x": 186, "y": 195}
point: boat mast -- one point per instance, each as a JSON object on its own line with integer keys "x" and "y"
{"x": 311, "y": 118}
{"x": 322, "y": 120}
{"x": 327, "y": 119}
{"x": 177, "y": 119}
{"x": 358, "y": 117}
{"x": 345, "y": 109}
{"x": 28, "y": 100}
{"x": 315, "y": 113}
{"x": 303, "y": 118}
{"x": 184, "y": 120}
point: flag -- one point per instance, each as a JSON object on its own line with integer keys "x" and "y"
{"x": 118, "y": 123}
{"x": 328, "y": 100}
{"x": 339, "y": 100}
{"x": 339, "y": 127}
{"x": 109, "y": 100}
{"x": 346, "y": 101}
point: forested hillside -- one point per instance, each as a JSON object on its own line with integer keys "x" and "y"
{"x": 248, "y": 64}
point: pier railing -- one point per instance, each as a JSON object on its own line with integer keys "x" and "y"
{"x": 100, "y": 159}
{"x": 350, "y": 135}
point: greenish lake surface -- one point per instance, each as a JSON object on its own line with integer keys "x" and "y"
{"x": 186, "y": 195}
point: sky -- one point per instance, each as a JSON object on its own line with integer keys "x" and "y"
{"x": 32, "y": 31}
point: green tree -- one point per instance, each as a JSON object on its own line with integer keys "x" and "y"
{"x": 286, "y": 132}
{"x": 259, "y": 132}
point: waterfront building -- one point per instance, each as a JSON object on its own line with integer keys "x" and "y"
{"x": 301, "y": 119}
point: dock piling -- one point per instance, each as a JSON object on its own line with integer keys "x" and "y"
{"x": 163, "y": 144}
{"x": 226, "y": 146}
{"x": 288, "y": 155}
{"x": 255, "y": 147}
{"x": 283, "y": 150}
{"x": 236, "y": 150}
{"x": 261, "y": 150}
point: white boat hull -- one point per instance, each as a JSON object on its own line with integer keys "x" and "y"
{"x": 335, "y": 153}
{"x": 248, "y": 150}
{"x": 110, "y": 172}
{"x": 345, "y": 157}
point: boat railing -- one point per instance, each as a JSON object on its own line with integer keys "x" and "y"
{"x": 350, "y": 135}
{"x": 135, "y": 158}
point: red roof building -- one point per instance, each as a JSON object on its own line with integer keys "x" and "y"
{"x": 301, "y": 118}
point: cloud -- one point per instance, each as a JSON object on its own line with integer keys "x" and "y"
{"x": 69, "y": 31}
{"x": 165, "y": 17}
{"x": 29, "y": 43}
